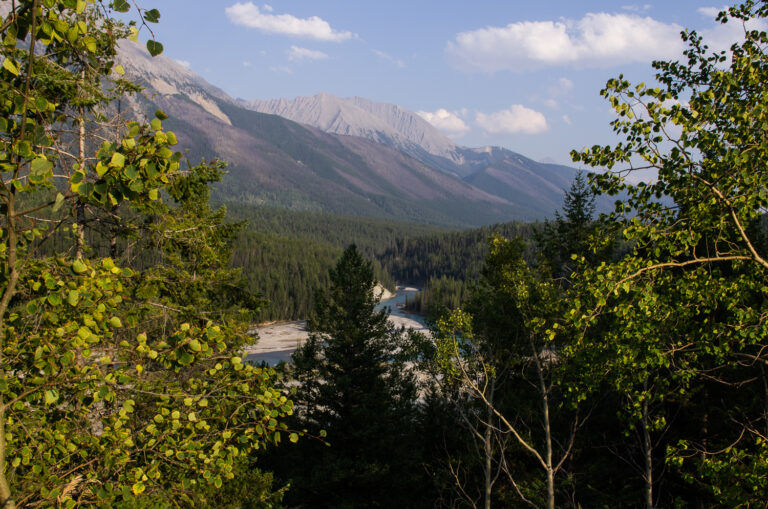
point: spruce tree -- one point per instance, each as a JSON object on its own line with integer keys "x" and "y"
{"x": 355, "y": 384}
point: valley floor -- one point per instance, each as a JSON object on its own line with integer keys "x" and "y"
{"x": 278, "y": 341}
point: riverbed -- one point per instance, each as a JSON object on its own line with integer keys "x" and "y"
{"x": 278, "y": 341}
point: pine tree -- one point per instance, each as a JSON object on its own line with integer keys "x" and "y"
{"x": 355, "y": 384}
{"x": 574, "y": 231}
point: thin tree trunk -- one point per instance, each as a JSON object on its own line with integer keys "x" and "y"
{"x": 544, "y": 390}
{"x": 765, "y": 388}
{"x": 6, "y": 495}
{"x": 548, "y": 455}
{"x": 80, "y": 207}
{"x": 488, "y": 449}
{"x": 648, "y": 450}
{"x": 10, "y": 290}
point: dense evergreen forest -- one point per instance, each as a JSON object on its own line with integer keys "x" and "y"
{"x": 285, "y": 255}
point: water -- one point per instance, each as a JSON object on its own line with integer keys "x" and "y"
{"x": 280, "y": 341}
{"x": 396, "y": 304}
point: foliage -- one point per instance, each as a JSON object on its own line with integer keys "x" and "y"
{"x": 575, "y": 232}
{"x": 687, "y": 302}
{"x": 497, "y": 352}
{"x": 458, "y": 255}
{"x": 113, "y": 383}
{"x": 439, "y": 294}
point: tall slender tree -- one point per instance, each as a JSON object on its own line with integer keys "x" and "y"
{"x": 355, "y": 382}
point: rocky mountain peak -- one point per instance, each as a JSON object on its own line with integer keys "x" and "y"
{"x": 357, "y": 116}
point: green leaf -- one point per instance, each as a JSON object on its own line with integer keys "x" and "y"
{"x": 119, "y": 70}
{"x": 77, "y": 177}
{"x": 40, "y": 166}
{"x": 152, "y": 16}
{"x": 293, "y": 437}
{"x": 161, "y": 115}
{"x": 90, "y": 44}
{"x": 117, "y": 161}
{"x": 10, "y": 66}
{"x": 58, "y": 202}
{"x": 129, "y": 143}
{"x": 51, "y": 396}
{"x": 156, "y": 124}
{"x": 115, "y": 322}
{"x": 73, "y": 297}
{"x": 153, "y": 194}
{"x": 79, "y": 267}
{"x": 154, "y": 48}
{"x": 121, "y": 6}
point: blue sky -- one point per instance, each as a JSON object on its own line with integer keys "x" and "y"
{"x": 520, "y": 74}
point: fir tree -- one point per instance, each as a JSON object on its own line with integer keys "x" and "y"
{"x": 355, "y": 383}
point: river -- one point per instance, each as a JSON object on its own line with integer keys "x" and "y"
{"x": 277, "y": 342}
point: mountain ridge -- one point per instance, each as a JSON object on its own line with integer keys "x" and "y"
{"x": 274, "y": 160}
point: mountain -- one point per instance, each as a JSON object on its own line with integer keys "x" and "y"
{"x": 383, "y": 123}
{"x": 397, "y": 127}
{"x": 275, "y": 161}
{"x": 350, "y": 156}
{"x": 538, "y": 187}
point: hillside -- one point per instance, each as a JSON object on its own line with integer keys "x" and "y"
{"x": 276, "y": 161}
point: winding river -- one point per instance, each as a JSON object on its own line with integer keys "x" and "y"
{"x": 277, "y": 342}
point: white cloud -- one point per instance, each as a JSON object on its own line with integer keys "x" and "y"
{"x": 567, "y": 119}
{"x": 636, "y": 8}
{"x": 298, "y": 53}
{"x": 516, "y": 120}
{"x": 445, "y": 121}
{"x": 557, "y": 93}
{"x": 389, "y": 58}
{"x": 281, "y": 68}
{"x": 246, "y": 63}
{"x": 596, "y": 40}
{"x": 249, "y": 15}
{"x": 710, "y": 12}
{"x": 267, "y": 8}
{"x": 183, "y": 63}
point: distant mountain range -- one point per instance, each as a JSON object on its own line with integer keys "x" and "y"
{"x": 351, "y": 156}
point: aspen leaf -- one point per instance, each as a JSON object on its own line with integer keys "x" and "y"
{"x": 154, "y": 48}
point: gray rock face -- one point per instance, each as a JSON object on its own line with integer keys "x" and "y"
{"x": 167, "y": 77}
{"x": 356, "y": 116}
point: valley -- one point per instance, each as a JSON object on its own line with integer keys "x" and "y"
{"x": 315, "y": 299}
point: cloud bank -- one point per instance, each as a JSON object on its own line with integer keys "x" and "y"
{"x": 249, "y": 15}
{"x": 445, "y": 121}
{"x": 517, "y": 119}
{"x": 596, "y": 40}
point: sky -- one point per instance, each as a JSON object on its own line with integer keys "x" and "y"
{"x": 521, "y": 74}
